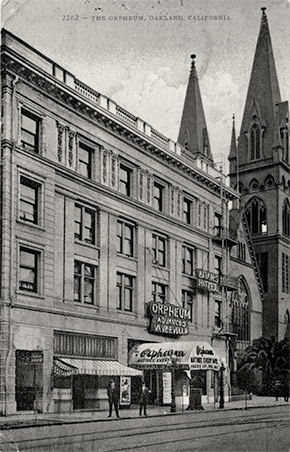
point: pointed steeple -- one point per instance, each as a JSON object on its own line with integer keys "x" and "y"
{"x": 193, "y": 135}
{"x": 233, "y": 149}
{"x": 263, "y": 95}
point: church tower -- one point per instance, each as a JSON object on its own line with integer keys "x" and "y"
{"x": 193, "y": 135}
{"x": 260, "y": 171}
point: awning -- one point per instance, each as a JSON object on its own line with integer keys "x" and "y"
{"x": 93, "y": 367}
{"x": 192, "y": 355}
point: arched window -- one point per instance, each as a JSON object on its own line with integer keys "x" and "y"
{"x": 255, "y": 141}
{"x": 256, "y": 214}
{"x": 240, "y": 313}
{"x": 286, "y": 218}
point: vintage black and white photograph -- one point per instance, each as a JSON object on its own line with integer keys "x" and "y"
{"x": 145, "y": 226}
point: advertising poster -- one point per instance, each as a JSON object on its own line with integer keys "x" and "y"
{"x": 166, "y": 387}
{"x": 125, "y": 390}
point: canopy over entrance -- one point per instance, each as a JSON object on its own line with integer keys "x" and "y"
{"x": 193, "y": 355}
{"x": 73, "y": 366}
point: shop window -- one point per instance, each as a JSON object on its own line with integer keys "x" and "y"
{"x": 29, "y": 200}
{"x": 218, "y": 313}
{"x": 159, "y": 292}
{"x": 125, "y": 238}
{"x": 28, "y": 269}
{"x": 159, "y": 250}
{"x": 187, "y": 302}
{"x": 30, "y": 128}
{"x": 262, "y": 259}
{"x": 158, "y": 195}
{"x": 187, "y": 210}
{"x": 188, "y": 258}
{"x": 85, "y": 163}
{"x": 125, "y": 180}
{"x": 84, "y": 283}
{"x": 125, "y": 292}
{"x": 85, "y": 224}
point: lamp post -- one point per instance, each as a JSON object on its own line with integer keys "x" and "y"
{"x": 173, "y": 366}
{"x": 222, "y": 394}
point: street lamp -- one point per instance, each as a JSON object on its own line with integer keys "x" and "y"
{"x": 222, "y": 393}
{"x": 173, "y": 367}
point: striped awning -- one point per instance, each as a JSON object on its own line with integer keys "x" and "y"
{"x": 94, "y": 367}
{"x": 61, "y": 369}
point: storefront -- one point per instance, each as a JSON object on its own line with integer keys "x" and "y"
{"x": 195, "y": 364}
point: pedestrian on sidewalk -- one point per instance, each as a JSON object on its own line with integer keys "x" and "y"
{"x": 113, "y": 398}
{"x": 143, "y": 399}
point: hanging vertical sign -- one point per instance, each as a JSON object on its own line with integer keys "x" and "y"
{"x": 125, "y": 390}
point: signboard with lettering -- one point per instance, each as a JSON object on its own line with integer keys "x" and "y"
{"x": 168, "y": 319}
{"x": 204, "y": 359}
{"x": 62, "y": 393}
{"x": 207, "y": 281}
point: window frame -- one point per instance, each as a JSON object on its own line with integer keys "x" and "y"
{"x": 128, "y": 183}
{"x": 35, "y": 185}
{"x": 158, "y": 202}
{"x": 158, "y": 297}
{"x": 37, "y": 256}
{"x": 188, "y": 262}
{"x": 25, "y": 112}
{"x": 122, "y": 240}
{"x": 189, "y": 304}
{"x": 82, "y": 278}
{"x": 187, "y": 213}
{"x": 157, "y": 251}
{"x": 83, "y": 211}
{"x": 218, "y": 313}
{"x": 91, "y": 151}
{"x": 123, "y": 289}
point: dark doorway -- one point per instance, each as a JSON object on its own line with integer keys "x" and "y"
{"x": 29, "y": 380}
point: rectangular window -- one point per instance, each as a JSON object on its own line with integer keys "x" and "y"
{"x": 125, "y": 241}
{"x": 262, "y": 259}
{"x": 85, "y": 160}
{"x": 125, "y": 292}
{"x": 29, "y": 131}
{"x": 218, "y": 313}
{"x": 158, "y": 196}
{"x": 199, "y": 213}
{"x": 205, "y": 217}
{"x": 29, "y": 200}
{"x": 217, "y": 225}
{"x": 28, "y": 269}
{"x": 159, "y": 249}
{"x": 187, "y": 302}
{"x": 187, "y": 260}
{"x": 84, "y": 282}
{"x": 218, "y": 267}
{"x": 85, "y": 224}
{"x": 187, "y": 210}
{"x": 285, "y": 273}
{"x": 159, "y": 292}
{"x": 125, "y": 180}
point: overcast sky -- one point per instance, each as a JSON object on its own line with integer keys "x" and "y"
{"x": 144, "y": 64}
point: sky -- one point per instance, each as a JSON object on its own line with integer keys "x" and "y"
{"x": 143, "y": 63}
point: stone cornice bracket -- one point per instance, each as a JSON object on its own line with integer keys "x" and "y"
{"x": 71, "y": 142}
{"x": 60, "y": 140}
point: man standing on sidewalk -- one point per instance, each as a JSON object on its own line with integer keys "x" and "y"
{"x": 143, "y": 399}
{"x": 113, "y": 398}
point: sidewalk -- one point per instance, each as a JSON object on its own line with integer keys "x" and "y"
{"x": 33, "y": 419}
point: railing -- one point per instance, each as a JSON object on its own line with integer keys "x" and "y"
{"x": 126, "y": 115}
{"x": 157, "y": 136}
{"x": 86, "y": 91}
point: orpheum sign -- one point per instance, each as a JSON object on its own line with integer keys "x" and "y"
{"x": 207, "y": 280}
{"x": 168, "y": 319}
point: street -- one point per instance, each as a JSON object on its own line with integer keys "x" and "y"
{"x": 261, "y": 429}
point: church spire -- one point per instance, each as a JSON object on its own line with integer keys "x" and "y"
{"x": 262, "y": 97}
{"x": 233, "y": 149}
{"x": 193, "y": 131}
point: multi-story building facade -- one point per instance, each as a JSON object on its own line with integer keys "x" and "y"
{"x": 112, "y": 236}
{"x": 259, "y": 169}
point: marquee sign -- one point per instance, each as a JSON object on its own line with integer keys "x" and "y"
{"x": 168, "y": 319}
{"x": 207, "y": 280}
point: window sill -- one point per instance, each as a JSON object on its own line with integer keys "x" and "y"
{"x": 88, "y": 245}
{"x": 156, "y": 265}
{"x": 125, "y": 256}
{"x": 29, "y": 294}
{"x": 31, "y": 225}
{"x": 131, "y": 314}
{"x": 85, "y": 305}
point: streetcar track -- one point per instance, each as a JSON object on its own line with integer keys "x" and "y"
{"x": 123, "y": 433}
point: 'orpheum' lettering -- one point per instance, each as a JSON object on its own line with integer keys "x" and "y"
{"x": 168, "y": 319}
